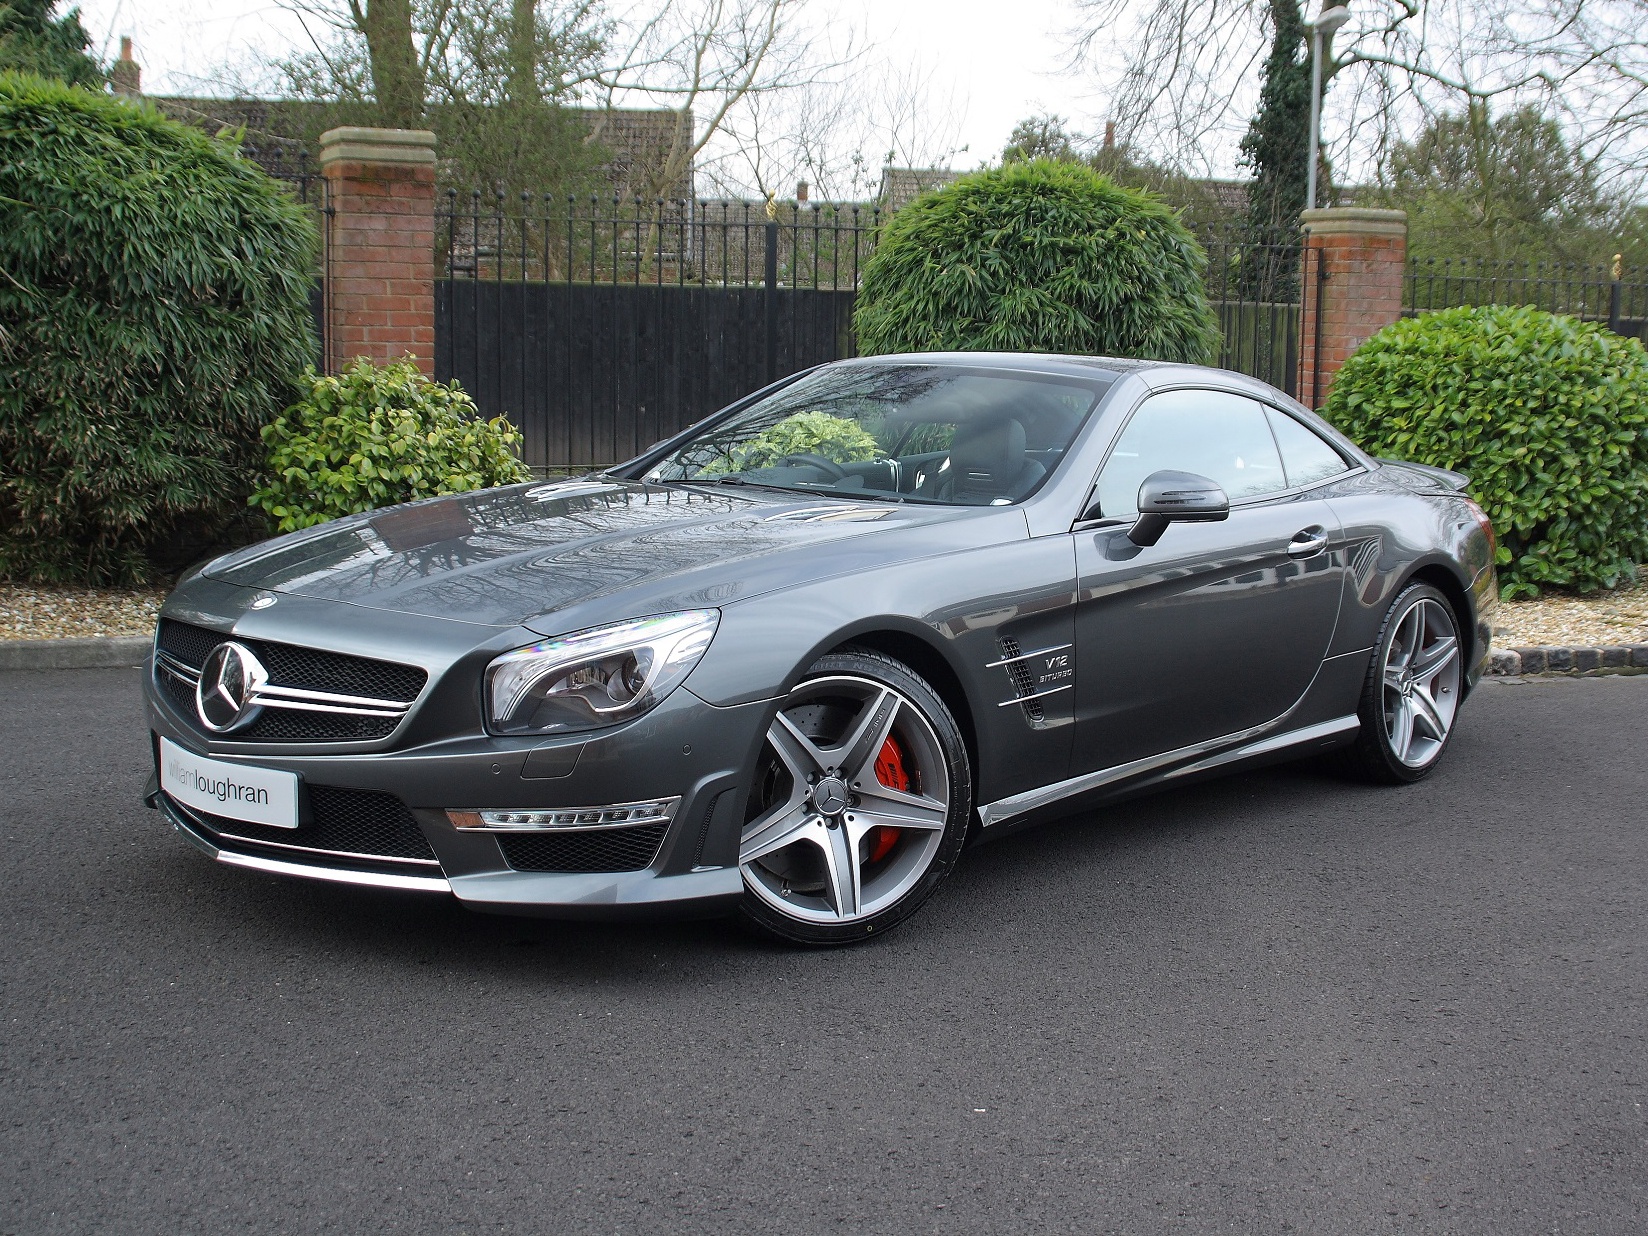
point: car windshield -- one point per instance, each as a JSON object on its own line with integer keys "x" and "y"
{"x": 917, "y": 433}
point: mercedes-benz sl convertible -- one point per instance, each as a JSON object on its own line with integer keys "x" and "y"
{"x": 790, "y": 662}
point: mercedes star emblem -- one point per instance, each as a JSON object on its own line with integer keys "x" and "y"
{"x": 226, "y": 695}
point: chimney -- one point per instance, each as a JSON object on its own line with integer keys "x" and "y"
{"x": 124, "y": 74}
{"x": 1110, "y": 135}
{"x": 801, "y": 191}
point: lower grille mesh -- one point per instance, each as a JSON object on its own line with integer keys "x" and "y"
{"x": 587, "y": 850}
{"x": 342, "y": 822}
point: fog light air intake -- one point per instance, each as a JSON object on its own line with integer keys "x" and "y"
{"x": 618, "y": 815}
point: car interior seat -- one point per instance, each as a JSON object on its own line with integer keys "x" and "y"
{"x": 987, "y": 462}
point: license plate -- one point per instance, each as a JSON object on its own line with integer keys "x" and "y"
{"x": 237, "y": 791}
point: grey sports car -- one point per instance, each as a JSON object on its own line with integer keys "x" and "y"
{"x": 790, "y": 662}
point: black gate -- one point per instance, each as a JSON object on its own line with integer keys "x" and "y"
{"x": 598, "y": 328}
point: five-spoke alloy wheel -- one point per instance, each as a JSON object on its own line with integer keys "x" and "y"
{"x": 1413, "y": 688}
{"x": 858, "y": 805}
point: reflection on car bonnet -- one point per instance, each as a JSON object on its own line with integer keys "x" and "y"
{"x": 832, "y": 514}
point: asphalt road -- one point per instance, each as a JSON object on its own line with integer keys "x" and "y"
{"x": 1277, "y": 1003}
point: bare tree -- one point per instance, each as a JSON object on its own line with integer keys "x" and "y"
{"x": 1186, "y": 84}
{"x": 837, "y": 134}
{"x": 719, "y": 67}
{"x": 403, "y": 55}
{"x": 709, "y": 60}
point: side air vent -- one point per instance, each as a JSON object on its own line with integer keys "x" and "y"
{"x": 1019, "y": 673}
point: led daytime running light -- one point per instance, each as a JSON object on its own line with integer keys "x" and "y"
{"x": 620, "y": 815}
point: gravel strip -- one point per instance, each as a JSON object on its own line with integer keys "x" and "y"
{"x": 1571, "y": 621}
{"x": 46, "y": 611}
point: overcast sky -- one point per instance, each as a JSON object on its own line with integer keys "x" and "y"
{"x": 1002, "y": 60}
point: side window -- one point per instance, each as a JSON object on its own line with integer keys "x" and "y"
{"x": 1220, "y": 436}
{"x": 1305, "y": 456}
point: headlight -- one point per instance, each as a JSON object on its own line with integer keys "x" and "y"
{"x": 598, "y": 677}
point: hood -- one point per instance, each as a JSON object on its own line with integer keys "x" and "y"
{"x": 503, "y": 557}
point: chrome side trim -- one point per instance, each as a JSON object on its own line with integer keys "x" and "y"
{"x": 1276, "y": 742}
{"x": 1026, "y": 656}
{"x": 1027, "y": 699}
{"x": 1242, "y": 744}
{"x": 371, "y": 879}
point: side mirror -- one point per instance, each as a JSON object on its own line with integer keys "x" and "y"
{"x": 1176, "y": 497}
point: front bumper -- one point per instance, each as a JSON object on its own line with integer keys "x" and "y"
{"x": 685, "y": 748}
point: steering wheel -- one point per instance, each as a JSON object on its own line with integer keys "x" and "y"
{"x": 828, "y": 467}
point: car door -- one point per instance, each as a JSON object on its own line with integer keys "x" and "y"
{"x": 1219, "y": 627}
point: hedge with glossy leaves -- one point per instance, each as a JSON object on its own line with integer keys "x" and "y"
{"x": 154, "y": 312}
{"x": 1037, "y": 257}
{"x": 375, "y": 436}
{"x": 1549, "y": 417}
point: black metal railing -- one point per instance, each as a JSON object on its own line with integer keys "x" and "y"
{"x": 633, "y": 242}
{"x": 1613, "y": 295}
{"x": 1254, "y": 282}
{"x": 291, "y": 162}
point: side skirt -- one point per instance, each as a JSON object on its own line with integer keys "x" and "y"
{"x": 1250, "y": 744}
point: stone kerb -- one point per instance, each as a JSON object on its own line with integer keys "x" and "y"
{"x": 380, "y": 245}
{"x": 1363, "y": 253}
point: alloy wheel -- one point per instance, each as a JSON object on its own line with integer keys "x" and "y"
{"x": 1420, "y": 681}
{"x": 850, "y": 805}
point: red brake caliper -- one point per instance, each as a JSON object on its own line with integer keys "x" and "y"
{"x": 890, "y": 771}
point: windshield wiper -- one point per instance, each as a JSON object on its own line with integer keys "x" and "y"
{"x": 821, "y": 491}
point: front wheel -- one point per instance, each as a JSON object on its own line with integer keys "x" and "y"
{"x": 1411, "y": 696}
{"x": 858, "y": 803}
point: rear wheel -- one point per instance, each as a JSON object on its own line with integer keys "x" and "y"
{"x": 858, "y": 804}
{"x": 1411, "y": 696}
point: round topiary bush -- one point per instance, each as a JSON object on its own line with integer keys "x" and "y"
{"x": 1549, "y": 417}
{"x": 1037, "y": 257}
{"x": 154, "y": 312}
{"x": 373, "y": 437}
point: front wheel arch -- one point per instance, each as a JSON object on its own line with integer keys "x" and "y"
{"x": 932, "y": 665}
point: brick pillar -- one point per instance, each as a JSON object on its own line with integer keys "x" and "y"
{"x": 380, "y": 245}
{"x": 1361, "y": 253}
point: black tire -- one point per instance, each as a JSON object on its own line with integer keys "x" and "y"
{"x": 1378, "y": 754}
{"x": 923, "y": 734}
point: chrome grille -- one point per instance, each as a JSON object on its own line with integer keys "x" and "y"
{"x": 311, "y": 695}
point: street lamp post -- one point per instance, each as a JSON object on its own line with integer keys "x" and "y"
{"x": 1321, "y": 32}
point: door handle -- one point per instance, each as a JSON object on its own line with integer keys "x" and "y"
{"x": 1308, "y": 542}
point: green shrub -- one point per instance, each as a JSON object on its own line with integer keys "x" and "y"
{"x": 1037, "y": 257}
{"x": 154, "y": 309}
{"x": 373, "y": 437}
{"x": 809, "y": 433}
{"x": 1549, "y": 417}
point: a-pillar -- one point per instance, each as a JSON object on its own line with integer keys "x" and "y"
{"x": 380, "y": 245}
{"x": 1353, "y": 288}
